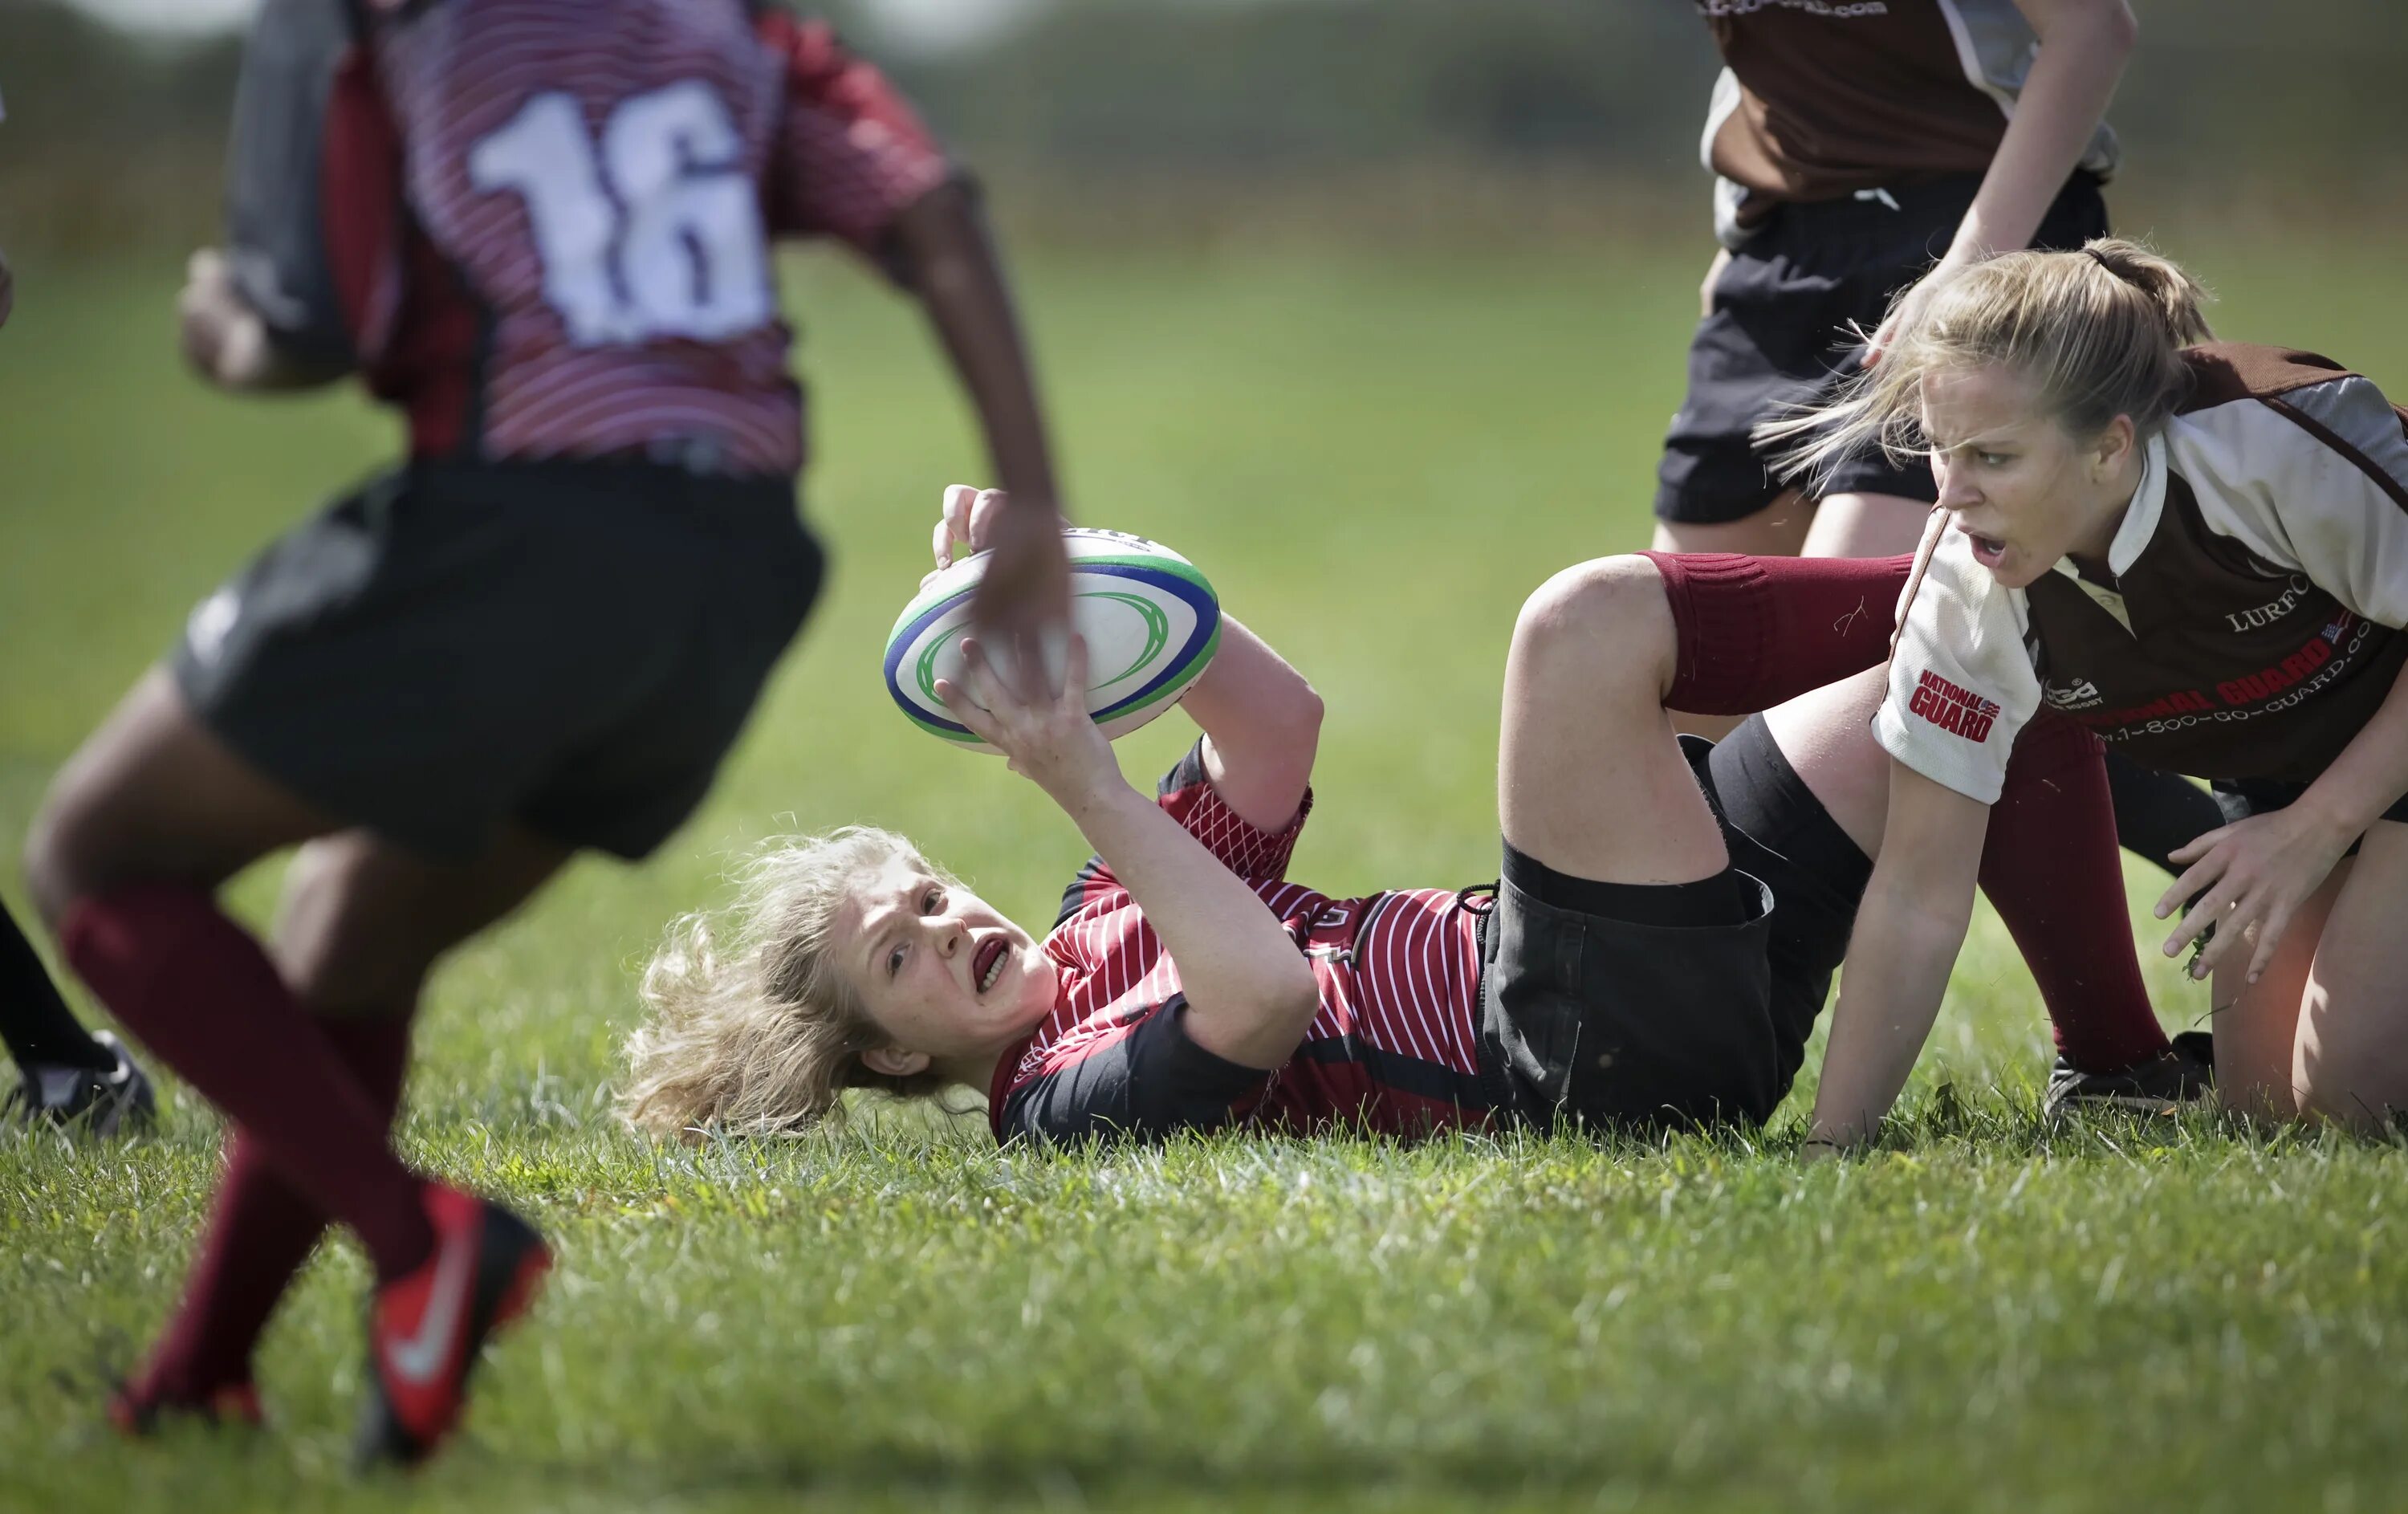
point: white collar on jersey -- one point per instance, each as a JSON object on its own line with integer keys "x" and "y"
{"x": 2132, "y": 537}
{"x": 2141, "y": 516}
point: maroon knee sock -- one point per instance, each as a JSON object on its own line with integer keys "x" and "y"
{"x": 1754, "y": 631}
{"x": 261, "y": 1231}
{"x": 2049, "y": 866}
{"x": 202, "y": 995}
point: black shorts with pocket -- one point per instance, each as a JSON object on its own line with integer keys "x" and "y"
{"x": 570, "y": 645}
{"x": 1620, "y": 1026}
{"x": 1778, "y": 334}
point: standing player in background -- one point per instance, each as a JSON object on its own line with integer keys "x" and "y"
{"x": 542, "y": 230}
{"x": 1858, "y": 148}
{"x": 67, "y": 1074}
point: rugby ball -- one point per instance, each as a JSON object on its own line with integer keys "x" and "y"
{"x": 1149, "y": 620}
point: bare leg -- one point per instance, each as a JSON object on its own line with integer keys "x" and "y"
{"x": 1826, "y": 734}
{"x": 1590, "y": 779}
{"x": 152, "y": 796}
{"x": 2352, "y": 1057}
{"x": 364, "y": 921}
{"x": 1779, "y": 529}
{"x": 1865, "y": 526}
{"x": 2258, "y": 1028}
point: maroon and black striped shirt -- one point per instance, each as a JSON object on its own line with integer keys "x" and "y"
{"x": 542, "y": 228}
{"x": 1392, "y": 1050}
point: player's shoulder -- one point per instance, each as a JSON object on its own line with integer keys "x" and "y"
{"x": 2261, "y": 413}
{"x": 2231, "y": 372}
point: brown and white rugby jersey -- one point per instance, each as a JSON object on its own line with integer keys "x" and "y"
{"x": 1821, "y": 98}
{"x": 2248, "y": 622}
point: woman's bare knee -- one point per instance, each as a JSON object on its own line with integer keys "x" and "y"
{"x": 152, "y": 796}
{"x": 1601, "y": 624}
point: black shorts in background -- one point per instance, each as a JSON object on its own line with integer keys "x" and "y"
{"x": 572, "y": 645}
{"x": 1778, "y": 334}
{"x": 1641, "y": 1027}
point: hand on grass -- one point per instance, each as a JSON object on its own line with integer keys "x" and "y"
{"x": 2257, "y": 873}
{"x": 1047, "y": 736}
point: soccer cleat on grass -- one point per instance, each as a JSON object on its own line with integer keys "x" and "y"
{"x": 118, "y": 1101}
{"x": 2184, "y": 1074}
{"x": 426, "y": 1330}
{"x": 137, "y": 1412}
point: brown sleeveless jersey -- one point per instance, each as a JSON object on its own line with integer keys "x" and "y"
{"x": 1821, "y": 98}
{"x": 2245, "y": 624}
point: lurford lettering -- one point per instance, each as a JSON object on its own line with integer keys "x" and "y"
{"x": 2274, "y": 610}
{"x": 1956, "y": 711}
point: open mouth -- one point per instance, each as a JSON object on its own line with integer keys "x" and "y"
{"x": 1988, "y": 549}
{"x": 986, "y": 965}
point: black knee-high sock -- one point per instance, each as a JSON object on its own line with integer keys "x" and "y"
{"x": 2157, "y": 812}
{"x": 34, "y": 1022}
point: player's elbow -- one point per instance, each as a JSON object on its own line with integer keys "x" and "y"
{"x": 2106, "y": 25}
{"x": 1299, "y": 713}
{"x": 2122, "y": 28}
{"x": 939, "y": 241}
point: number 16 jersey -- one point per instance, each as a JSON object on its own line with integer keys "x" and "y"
{"x": 543, "y": 227}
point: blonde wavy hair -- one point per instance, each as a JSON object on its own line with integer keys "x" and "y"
{"x": 754, "y": 1029}
{"x": 2098, "y": 332}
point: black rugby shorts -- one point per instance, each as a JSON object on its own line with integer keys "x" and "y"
{"x": 1778, "y": 335}
{"x": 571, "y": 646}
{"x": 1619, "y": 1025}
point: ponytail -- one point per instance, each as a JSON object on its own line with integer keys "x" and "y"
{"x": 2099, "y": 332}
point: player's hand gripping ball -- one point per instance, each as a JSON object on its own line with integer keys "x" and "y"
{"x": 1151, "y": 623}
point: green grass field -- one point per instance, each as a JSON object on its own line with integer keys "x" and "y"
{"x": 1375, "y": 459}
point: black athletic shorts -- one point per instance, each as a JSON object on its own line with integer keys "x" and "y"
{"x": 1619, "y": 1025}
{"x": 573, "y": 645}
{"x": 2240, "y": 797}
{"x": 1778, "y": 334}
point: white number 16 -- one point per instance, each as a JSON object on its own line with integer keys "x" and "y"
{"x": 658, "y": 235}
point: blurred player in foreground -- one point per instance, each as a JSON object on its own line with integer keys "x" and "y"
{"x": 542, "y": 230}
{"x": 1855, "y": 148}
{"x": 2200, "y": 551}
{"x": 1656, "y": 955}
{"x": 66, "y": 1075}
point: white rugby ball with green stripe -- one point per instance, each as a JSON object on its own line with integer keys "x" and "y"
{"x": 1151, "y": 621}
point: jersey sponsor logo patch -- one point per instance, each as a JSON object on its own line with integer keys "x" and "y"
{"x": 2079, "y": 694}
{"x": 2268, "y": 682}
{"x": 1959, "y": 711}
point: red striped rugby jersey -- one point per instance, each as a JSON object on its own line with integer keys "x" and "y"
{"x": 547, "y": 224}
{"x": 1392, "y": 1050}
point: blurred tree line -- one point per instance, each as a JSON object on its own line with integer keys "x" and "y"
{"x": 1151, "y": 113}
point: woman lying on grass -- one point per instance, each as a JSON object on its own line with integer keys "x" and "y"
{"x": 1661, "y": 940}
{"x": 2201, "y": 553}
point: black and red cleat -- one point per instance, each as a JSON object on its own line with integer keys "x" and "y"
{"x": 140, "y": 1411}
{"x": 427, "y": 1329}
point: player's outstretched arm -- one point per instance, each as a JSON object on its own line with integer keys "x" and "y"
{"x": 944, "y": 254}
{"x": 1909, "y": 930}
{"x": 1250, "y": 993}
{"x": 2084, "y": 45}
{"x": 946, "y": 258}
